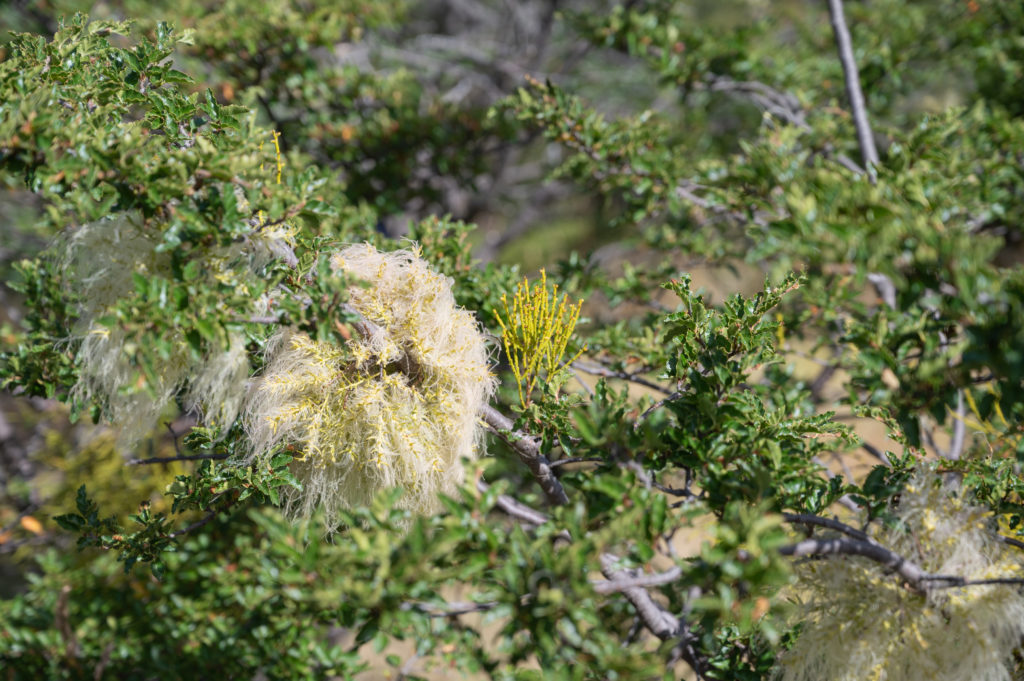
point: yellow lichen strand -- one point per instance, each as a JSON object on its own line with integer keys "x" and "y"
{"x": 398, "y": 407}
{"x": 536, "y": 329}
{"x": 859, "y": 622}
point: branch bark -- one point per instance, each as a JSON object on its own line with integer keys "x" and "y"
{"x": 528, "y": 449}
{"x": 514, "y": 507}
{"x": 910, "y": 572}
{"x": 661, "y": 623}
{"x": 643, "y": 581}
{"x": 844, "y": 44}
{"x": 858, "y": 543}
{"x": 171, "y": 459}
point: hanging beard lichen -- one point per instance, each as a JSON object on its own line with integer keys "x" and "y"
{"x": 860, "y": 623}
{"x": 398, "y": 407}
{"x": 99, "y": 262}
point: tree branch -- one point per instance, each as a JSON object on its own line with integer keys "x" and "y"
{"x": 514, "y": 507}
{"x": 210, "y": 515}
{"x": 629, "y": 582}
{"x": 956, "y": 446}
{"x": 658, "y": 621}
{"x": 662, "y": 624}
{"x": 453, "y": 609}
{"x": 528, "y": 449}
{"x": 858, "y": 543}
{"x": 911, "y": 573}
{"x": 625, "y": 376}
{"x": 654, "y": 407}
{"x": 830, "y": 523}
{"x": 659, "y": 579}
{"x": 860, "y": 116}
{"x": 1010, "y": 541}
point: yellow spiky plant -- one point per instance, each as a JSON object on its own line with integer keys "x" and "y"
{"x": 536, "y": 328}
{"x": 860, "y": 624}
{"x": 397, "y": 407}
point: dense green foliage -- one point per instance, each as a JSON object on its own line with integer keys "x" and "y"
{"x": 192, "y": 172}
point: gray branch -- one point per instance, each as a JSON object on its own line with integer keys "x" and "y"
{"x": 528, "y": 449}
{"x": 631, "y": 583}
{"x": 661, "y": 623}
{"x": 911, "y": 574}
{"x": 829, "y": 523}
{"x": 514, "y": 507}
{"x": 644, "y": 581}
{"x": 860, "y": 115}
{"x": 623, "y": 375}
{"x": 956, "y": 447}
{"x": 171, "y": 459}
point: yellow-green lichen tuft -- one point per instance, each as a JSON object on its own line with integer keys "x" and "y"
{"x": 859, "y": 622}
{"x": 398, "y": 407}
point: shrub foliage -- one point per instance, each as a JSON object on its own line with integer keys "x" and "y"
{"x": 211, "y": 208}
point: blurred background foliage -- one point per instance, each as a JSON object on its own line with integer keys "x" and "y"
{"x": 616, "y": 145}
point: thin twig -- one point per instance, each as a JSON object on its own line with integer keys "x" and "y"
{"x": 171, "y": 459}
{"x": 844, "y": 500}
{"x": 673, "y": 491}
{"x": 577, "y": 459}
{"x": 201, "y": 522}
{"x": 625, "y": 376}
{"x": 956, "y": 447}
{"x": 865, "y": 139}
{"x": 875, "y": 452}
{"x": 453, "y": 609}
{"x": 174, "y": 438}
{"x": 657, "y": 405}
{"x": 583, "y": 384}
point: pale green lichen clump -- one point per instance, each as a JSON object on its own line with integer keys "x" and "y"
{"x": 860, "y": 623}
{"x": 397, "y": 407}
{"x": 99, "y": 261}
